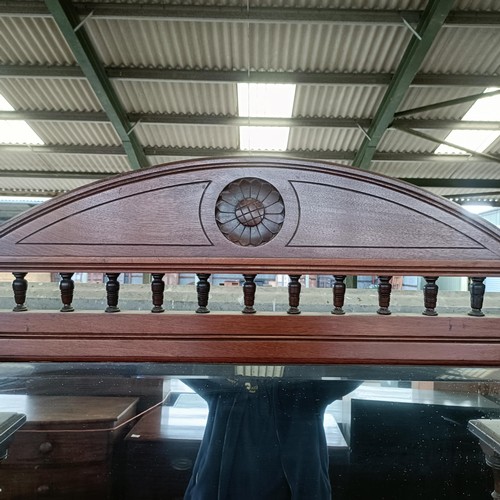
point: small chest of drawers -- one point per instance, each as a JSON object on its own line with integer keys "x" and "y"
{"x": 66, "y": 447}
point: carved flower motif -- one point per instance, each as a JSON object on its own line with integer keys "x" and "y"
{"x": 250, "y": 212}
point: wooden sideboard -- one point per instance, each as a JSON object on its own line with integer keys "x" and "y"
{"x": 245, "y": 216}
{"x": 9, "y": 424}
{"x": 66, "y": 447}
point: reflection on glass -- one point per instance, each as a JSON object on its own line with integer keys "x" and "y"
{"x": 264, "y": 438}
{"x": 153, "y": 431}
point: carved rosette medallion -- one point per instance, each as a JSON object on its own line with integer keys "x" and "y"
{"x": 250, "y": 212}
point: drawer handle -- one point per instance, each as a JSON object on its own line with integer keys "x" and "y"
{"x": 43, "y": 489}
{"x": 45, "y": 447}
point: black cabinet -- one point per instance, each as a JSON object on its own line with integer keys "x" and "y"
{"x": 419, "y": 448}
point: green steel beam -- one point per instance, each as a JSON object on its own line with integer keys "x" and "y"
{"x": 238, "y": 76}
{"x": 454, "y": 183}
{"x": 432, "y": 19}
{"x": 31, "y": 192}
{"x": 185, "y": 119}
{"x": 484, "y": 195}
{"x": 444, "y": 104}
{"x": 53, "y": 174}
{"x": 40, "y": 71}
{"x": 430, "y": 138}
{"x": 420, "y": 181}
{"x": 254, "y": 14}
{"x": 70, "y": 149}
{"x": 55, "y": 116}
{"x": 81, "y": 46}
{"x": 487, "y": 203}
{"x": 217, "y": 152}
{"x": 444, "y": 124}
{"x": 236, "y": 121}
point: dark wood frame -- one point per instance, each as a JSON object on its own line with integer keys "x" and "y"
{"x": 336, "y": 220}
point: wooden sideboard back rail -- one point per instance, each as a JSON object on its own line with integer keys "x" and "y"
{"x": 251, "y": 216}
{"x": 67, "y": 286}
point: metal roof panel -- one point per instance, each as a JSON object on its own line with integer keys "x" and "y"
{"x": 77, "y": 133}
{"x": 174, "y": 97}
{"x": 188, "y": 136}
{"x": 60, "y": 94}
{"x": 262, "y": 46}
{"x": 324, "y": 139}
{"x": 32, "y": 40}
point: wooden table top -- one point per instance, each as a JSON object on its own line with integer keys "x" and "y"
{"x": 67, "y": 409}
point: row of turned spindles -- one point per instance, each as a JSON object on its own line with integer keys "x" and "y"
{"x": 67, "y": 285}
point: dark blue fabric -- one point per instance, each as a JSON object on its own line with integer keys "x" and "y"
{"x": 264, "y": 439}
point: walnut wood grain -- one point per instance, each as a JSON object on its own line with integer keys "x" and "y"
{"x": 259, "y": 338}
{"x": 157, "y": 291}
{"x": 20, "y": 287}
{"x": 338, "y": 294}
{"x": 67, "y": 286}
{"x": 430, "y": 296}
{"x": 322, "y": 218}
{"x": 331, "y": 213}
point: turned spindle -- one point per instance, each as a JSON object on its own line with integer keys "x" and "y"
{"x": 338, "y": 295}
{"x": 430, "y": 296}
{"x": 203, "y": 291}
{"x": 477, "y": 289}
{"x": 384, "y": 294}
{"x": 66, "y": 286}
{"x": 20, "y": 287}
{"x": 294, "y": 287}
{"x": 112, "y": 291}
{"x": 249, "y": 293}
{"x": 157, "y": 291}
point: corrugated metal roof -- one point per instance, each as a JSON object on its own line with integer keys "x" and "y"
{"x": 62, "y": 94}
{"x": 457, "y": 192}
{"x": 40, "y": 185}
{"x": 78, "y": 133}
{"x": 319, "y": 4}
{"x": 495, "y": 148}
{"x": 324, "y": 4}
{"x": 353, "y": 101}
{"x": 160, "y": 160}
{"x": 18, "y": 161}
{"x": 301, "y": 46}
{"x": 174, "y": 97}
{"x": 324, "y": 139}
{"x": 397, "y": 141}
{"x": 263, "y": 46}
{"x": 188, "y": 135}
{"x": 422, "y": 96}
{"x": 438, "y": 170}
{"x": 37, "y": 40}
{"x": 467, "y": 50}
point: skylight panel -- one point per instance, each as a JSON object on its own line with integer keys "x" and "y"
{"x": 478, "y": 209}
{"x": 16, "y": 131}
{"x": 477, "y": 140}
{"x": 264, "y": 138}
{"x": 4, "y": 105}
{"x": 268, "y": 101}
{"x": 486, "y": 109}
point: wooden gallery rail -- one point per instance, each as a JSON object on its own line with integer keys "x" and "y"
{"x": 251, "y": 216}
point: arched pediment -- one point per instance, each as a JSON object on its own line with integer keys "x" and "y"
{"x": 282, "y": 212}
